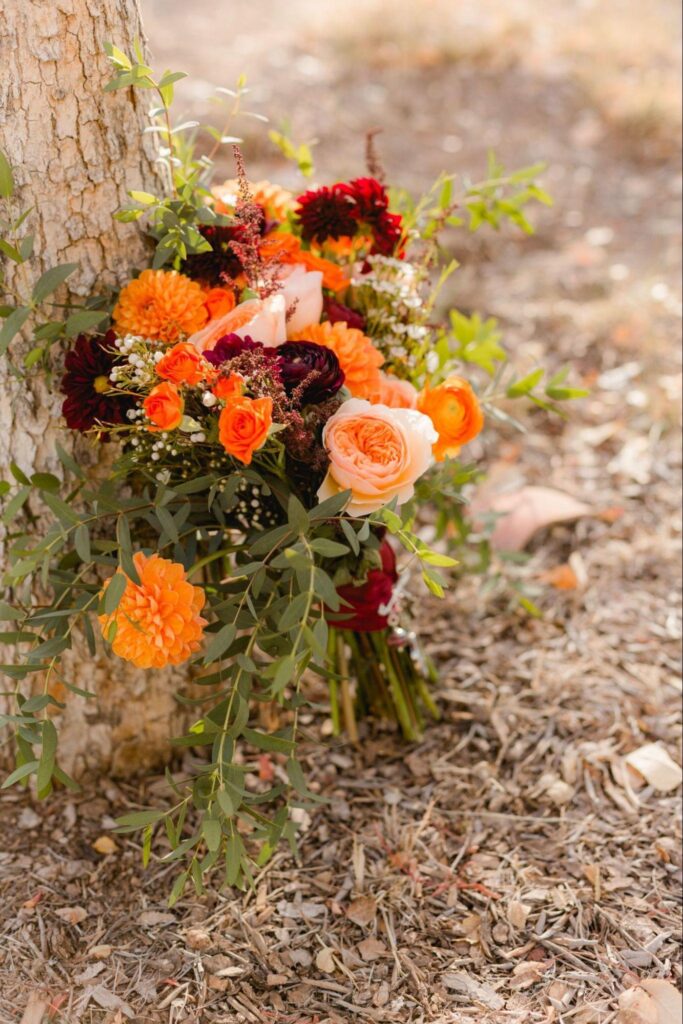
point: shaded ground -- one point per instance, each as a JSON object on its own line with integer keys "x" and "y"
{"x": 508, "y": 868}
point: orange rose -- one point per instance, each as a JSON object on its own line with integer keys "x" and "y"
{"x": 454, "y": 410}
{"x": 182, "y": 365}
{"x": 394, "y": 392}
{"x": 243, "y": 426}
{"x": 164, "y": 407}
{"x": 219, "y": 301}
{"x": 229, "y": 387}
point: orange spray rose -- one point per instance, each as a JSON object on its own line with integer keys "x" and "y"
{"x": 164, "y": 407}
{"x": 454, "y": 410}
{"x": 182, "y": 365}
{"x": 157, "y": 620}
{"x": 243, "y": 426}
{"x": 229, "y": 387}
{"x": 219, "y": 301}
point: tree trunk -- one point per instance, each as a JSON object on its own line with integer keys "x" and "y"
{"x": 75, "y": 150}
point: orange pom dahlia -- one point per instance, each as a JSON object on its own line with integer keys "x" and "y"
{"x": 157, "y": 621}
{"x": 161, "y": 304}
{"x": 358, "y": 357}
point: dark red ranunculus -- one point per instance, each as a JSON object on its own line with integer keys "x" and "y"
{"x": 86, "y": 383}
{"x": 309, "y": 371}
{"x": 337, "y": 312}
{"x": 231, "y": 345}
{"x": 364, "y": 616}
{"x": 327, "y": 212}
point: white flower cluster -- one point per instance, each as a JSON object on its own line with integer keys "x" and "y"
{"x": 141, "y": 355}
{"x": 390, "y": 299}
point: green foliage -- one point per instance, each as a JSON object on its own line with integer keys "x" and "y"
{"x": 299, "y": 153}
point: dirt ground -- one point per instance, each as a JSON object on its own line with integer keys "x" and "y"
{"x": 510, "y": 868}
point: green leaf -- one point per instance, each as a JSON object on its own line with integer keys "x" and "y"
{"x": 178, "y": 888}
{"x": 48, "y": 282}
{"x": 296, "y": 777}
{"x": 226, "y": 803}
{"x": 267, "y": 741}
{"x": 525, "y": 385}
{"x": 138, "y": 819}
{"x": 83, "y": 320}
{"x": 47, "y": 758}
{"x": 220, "y": 642}
{"x": 45, "y": 481}
{"x": 297, "y": 515}
{"x": 12, "y": 325}
{"x": 234, "y": 850}
{"x": 6, "y": 177}
{"x": 211, "y": 830}
{"x": 20, "y": 773}
{"x": 329, "y": 548}
{"x": 114, "y": 593}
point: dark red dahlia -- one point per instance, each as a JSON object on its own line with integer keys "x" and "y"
{"x": 387, "y": 233}
{"x": 231, "y": 346}
{"x": 310, "y": 373}
{"x": 327, "y": 213}
{"x": 337, "y": 312}
{"x": 223, "y": 261}
{"x": 86, "y": 385}
{"x": 370, "y": 198}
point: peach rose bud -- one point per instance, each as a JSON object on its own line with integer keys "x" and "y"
{"x": 260, "y": 319}
{"x": 303, "y": 295}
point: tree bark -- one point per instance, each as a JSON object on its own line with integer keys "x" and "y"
{"x": 75, "y": 150}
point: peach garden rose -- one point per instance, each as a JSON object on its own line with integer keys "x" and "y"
{"x": 377, "y": 453}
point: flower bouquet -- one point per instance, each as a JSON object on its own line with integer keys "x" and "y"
{"x": 273, "y": 387}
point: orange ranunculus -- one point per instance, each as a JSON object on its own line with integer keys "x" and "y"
{"x": 182, "y": 364}
{"x": 160, "y": 304}
{"x": 229, "y": 387}
{"x": 346, "y": 247}
{"x": 394, "y": 392}
{"x": 358, "y": 357}
{"x": 157, "y": 620}
{"x": 454, "y": 410}
{"x": 219, "y": 301}
{"x": 164, "y": 407}
{"x": 243, "y": 426}
{"x": 275, "y": 200}
{"x": 282, "y": 247}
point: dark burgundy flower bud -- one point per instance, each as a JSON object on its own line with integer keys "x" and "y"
{"x": 337, "y": 312}
{"x": 310, "y": 371}
{"x": 231, "y": 345}
{"x": 87, "y": 386}
{"x": 364, "y": 615}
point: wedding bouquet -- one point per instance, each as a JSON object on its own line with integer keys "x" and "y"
{"x": 274, "y": 386}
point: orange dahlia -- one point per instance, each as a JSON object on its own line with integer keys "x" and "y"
{"x": 358, "y": 357}
{"x": 277, "y": 202}
{"x": 161, "y": 304}
{"x": 157, "y": 621}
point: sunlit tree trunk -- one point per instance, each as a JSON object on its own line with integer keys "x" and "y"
{"x": 75, "y": 150}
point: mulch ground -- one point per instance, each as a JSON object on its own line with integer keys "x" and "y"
{"x": 509, "y": 868}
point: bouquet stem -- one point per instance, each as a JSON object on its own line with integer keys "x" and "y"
{"x": 390, "y": 682}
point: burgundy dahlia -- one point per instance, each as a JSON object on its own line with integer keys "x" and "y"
{"x": 230, "y": 346}
{"x": 327, "y": 213}
{"x": 86, "y": 385}
{"x": 387, "y": 232}
{"x": 337, "y": 312}
{"x": 308, "y": 371}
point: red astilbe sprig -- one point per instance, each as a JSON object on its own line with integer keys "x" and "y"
{"x": 261, "y": 274}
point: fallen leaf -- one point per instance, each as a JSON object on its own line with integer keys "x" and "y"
{"x": 371, "y": 949}
{"x": 35, "y": 1009}
{"x": 105, "y": 845}
{"x": 72, "y": 915}
{"x": 109, "y": 1000}
{"x": 525, "y": 511}
{"x": 652, "y": 1000}
{"x": 562, "y": 577}
{"x": 275, "y": 980}
{"x": 362, "y": 910}
{"x": 324, "y": 961}
{"x": 517, "y": 913}
{"x": 475, "y": 990}
{"x": 197, "y": 938}
{"x": 99, "y": 952}
{"x": 528, "y": 973}
{"x": 153, "y": 917}
{"x": 655, "y": 765}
